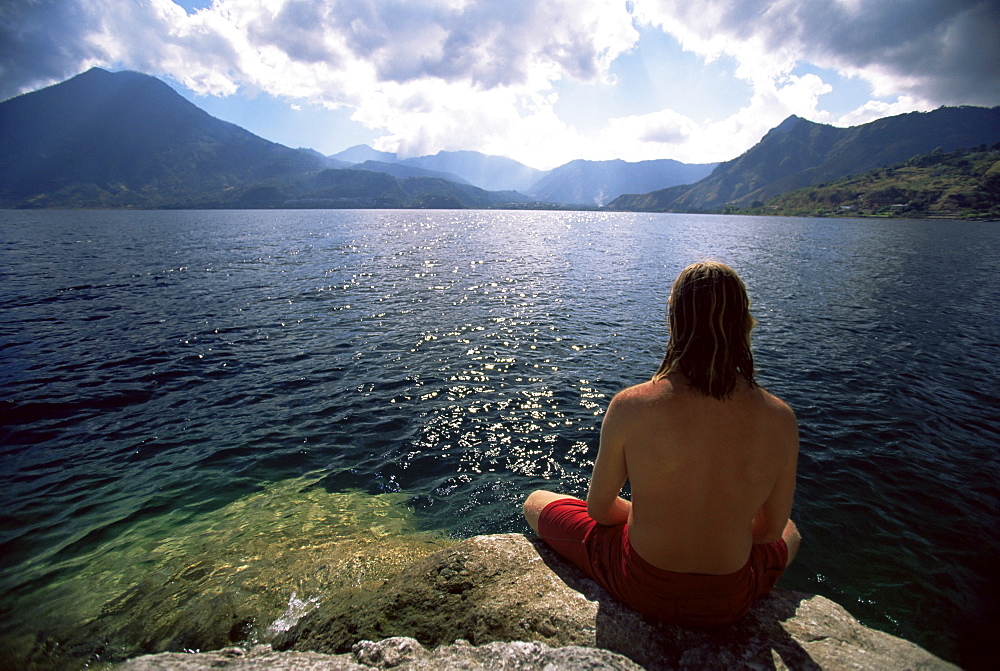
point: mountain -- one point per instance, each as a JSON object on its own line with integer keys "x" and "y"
{"x": 360, "y": 153}
{"x": 328, "y": 161}
{"x": 960, "y": 184}
{"x": 404, "y": 171}
{"x": 126, "y": 139}
{"x": 349, "y": 188}
{"x": 575, "y": 183}
{"x": 799, "y": 153}
{"x": 495, "y": 173}
{"x": 597, "y": 182}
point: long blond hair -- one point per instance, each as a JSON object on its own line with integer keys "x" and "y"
{"x": 709, "y": 322}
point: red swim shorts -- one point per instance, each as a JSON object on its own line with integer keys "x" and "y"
{"x": 691, "y": 599}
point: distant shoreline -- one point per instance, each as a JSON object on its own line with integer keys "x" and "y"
{"x": 547, "y": 208}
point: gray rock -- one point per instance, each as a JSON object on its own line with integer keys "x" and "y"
{"x": 237, "y": 659}
{"x": 512, "y": 588}
{"x": 509, "y": 602}
{"x": 398, "y": 653}
{"x": 407, "y": 654}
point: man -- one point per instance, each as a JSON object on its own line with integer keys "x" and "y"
{"x": 711, "y": 461}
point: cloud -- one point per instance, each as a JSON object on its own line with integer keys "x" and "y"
{"x": 42, "y": 42}
{"x": 430, "y": 74}
{"x": 494, "y": 44}
{"x": 876, "y": 109}
{"x": 932, "y": 50}
{"x": 46, "y": 41}
{"x": 482, "y": 74}
{"x": 915, "y": 55}
{"x": 477, "y": 43}
{"x": 667, "y": 133}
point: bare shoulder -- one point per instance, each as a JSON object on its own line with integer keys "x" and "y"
{"x": 637, "y": 408}
{"x": 642, "y": 394}
{"x": 780, "y": 414}
{"x": 630, "y": 410}
{"x": 776, "y": 404}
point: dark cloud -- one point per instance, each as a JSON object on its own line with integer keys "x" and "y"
{"x": 947, "y": 52}
{"x": 486, "y": 42}
{"x": 518, "y": 33}
{"x": 943, "y": 51}
{"x": 42, "y": 42}
{"x": 46, "y": 41}
{"x": 662, "y": 134}
{"x": 300, "y": 30}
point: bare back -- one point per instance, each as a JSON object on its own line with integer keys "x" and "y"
{"x": 709, "y": 477}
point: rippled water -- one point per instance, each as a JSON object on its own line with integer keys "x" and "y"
{"x": 171, "y": 365}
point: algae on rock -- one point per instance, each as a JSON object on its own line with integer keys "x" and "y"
{"x": 237, "y": 575}
{"x": 513, "y": 588}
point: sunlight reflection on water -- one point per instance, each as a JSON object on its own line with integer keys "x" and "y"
{"x": 156, "y": 362}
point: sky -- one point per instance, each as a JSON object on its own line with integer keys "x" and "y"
{"x": 540, "y": 81}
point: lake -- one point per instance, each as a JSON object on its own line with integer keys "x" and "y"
{"x": 175, "y": 384}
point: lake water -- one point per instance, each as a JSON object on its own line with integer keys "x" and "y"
{"x": 177, "y": 385}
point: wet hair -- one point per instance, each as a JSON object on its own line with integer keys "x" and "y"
{"x": 709, "y": 323}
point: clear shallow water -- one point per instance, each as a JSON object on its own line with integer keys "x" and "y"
{"x": 168, "y": 365}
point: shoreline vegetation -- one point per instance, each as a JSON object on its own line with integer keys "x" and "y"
{"x": 958, "y": 185}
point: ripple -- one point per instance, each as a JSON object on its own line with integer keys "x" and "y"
{"x": 178, "y": 359}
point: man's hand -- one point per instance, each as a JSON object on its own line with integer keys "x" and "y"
{"x": 617, "y": 513}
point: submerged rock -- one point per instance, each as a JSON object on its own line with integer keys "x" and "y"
{"x": 508, "y": 597}
{"x": 235, "y": 575}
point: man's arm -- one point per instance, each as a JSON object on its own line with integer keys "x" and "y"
{"x": 610, "y": 471}
{"x": 770, "y": 520}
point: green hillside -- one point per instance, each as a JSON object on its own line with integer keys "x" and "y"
{"x": 127, "y": 140}
{"x": 960, "y": 184}
{"x": 799, "y": 154}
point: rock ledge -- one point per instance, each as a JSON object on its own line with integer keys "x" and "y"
{"x": 508, "y": 602}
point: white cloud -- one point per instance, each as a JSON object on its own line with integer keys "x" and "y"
{"x": 669, "y": 134}
{"x": 932, "y": 50}
{"x": 479, "y": 74}
{"x": 917, "y": 55}
{"x": 430, "y": 75}
{"x": 875, "y": 109}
